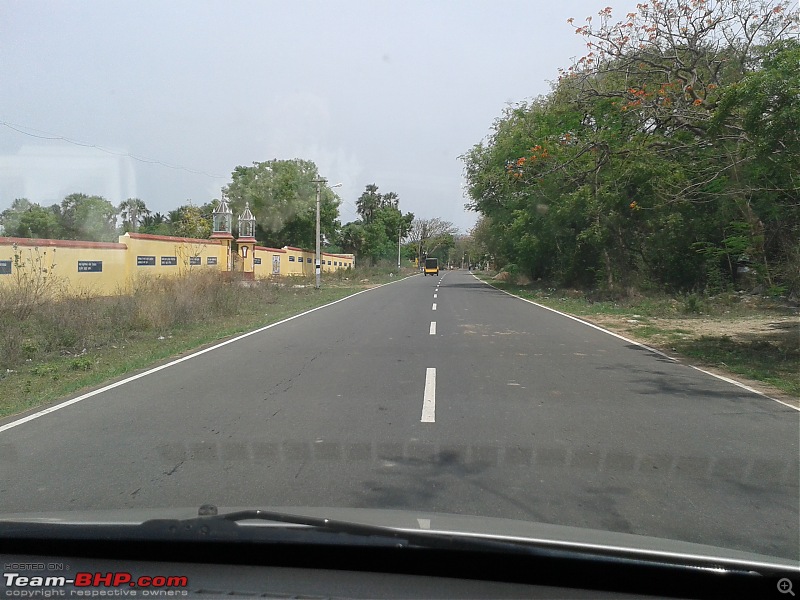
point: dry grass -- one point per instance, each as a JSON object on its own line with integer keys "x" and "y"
{"x": 62, "y": 344}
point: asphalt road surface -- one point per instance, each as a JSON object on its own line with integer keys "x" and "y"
{"x": 438, "y": 394}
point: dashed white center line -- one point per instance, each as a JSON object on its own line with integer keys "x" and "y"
{"x": 435, "y": 295}
{"x": 434, "y": 306}
{"x": 433, "y": 327}
{"x": 429, "y": 399}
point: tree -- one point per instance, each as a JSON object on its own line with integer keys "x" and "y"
{"x": 376, "y": 235}
{"x": 468, "y": 249}
{"x": 639, "y": 167}
{"x": 90, "y": 218}
{"x": 762, "y": 111}
{"x": 10, "y": 218}
{"x": 174, "y": 216}
{"x": 132, "y": 211}
{"x": 666, "y": 66}
{"x": 282, "y": 197}
{"x": 191, "y": 223}
{"x": 30, "y": 220}
{"x": 390, "y": 200}
{"x": 352, "y": 238}
{"x": 155, "y": 224}
{"x": 429, "y": 235}
{"x": 368, "y": 203}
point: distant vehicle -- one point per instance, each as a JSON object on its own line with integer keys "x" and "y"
{"x": 431, "y": 266}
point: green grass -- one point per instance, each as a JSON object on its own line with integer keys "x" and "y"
{"x": 771, "y": 357}
{"x": 576, "y": 302}
{"x": 774, "y": 363}
{"x": 41, "y": 365}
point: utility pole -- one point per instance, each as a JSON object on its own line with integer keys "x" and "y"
{"x": 399, "y": 234}
{"x": 317, "y": 264}
{"x": 318, "y": 255}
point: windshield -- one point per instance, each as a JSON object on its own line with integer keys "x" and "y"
{"x": 219, "y": 226}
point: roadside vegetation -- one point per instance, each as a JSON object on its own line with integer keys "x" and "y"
{"x": 664, "y": 160}
{"x": 753, "y": 337}
{"x": 52, "y": 345}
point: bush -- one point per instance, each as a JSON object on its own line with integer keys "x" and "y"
{"x": 32, "y": 282}
{"x": 82, "y": 363}
{"x": 693, "y": 304}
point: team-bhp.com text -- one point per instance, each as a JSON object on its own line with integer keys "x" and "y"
{"x": 92, "y": 584}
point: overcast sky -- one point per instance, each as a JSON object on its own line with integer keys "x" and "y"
{"x": 385, "y": 92}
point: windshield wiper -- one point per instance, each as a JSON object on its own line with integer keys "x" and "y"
{"x": 209, "y": 524}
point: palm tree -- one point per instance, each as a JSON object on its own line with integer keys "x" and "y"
{"x": 175, "y": 216}
{"x": 368, "y": 203}
{"x": 390, "y": 200}
{"x": 133, "y": 211}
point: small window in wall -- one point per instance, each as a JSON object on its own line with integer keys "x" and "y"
{"x": 291, "y": 259}
{"x": 329, "y": 263}
{"x": 308, "y": 259}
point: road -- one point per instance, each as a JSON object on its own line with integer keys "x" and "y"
{"x": 501, "y": 408}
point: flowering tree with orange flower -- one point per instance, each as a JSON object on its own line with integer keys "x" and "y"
{"x": 639, "y": 165}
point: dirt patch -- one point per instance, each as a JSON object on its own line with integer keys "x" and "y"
{"x": 502, "y": 276}
{"x": 741, "y": 328}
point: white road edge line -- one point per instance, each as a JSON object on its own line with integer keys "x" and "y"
{"x": 434, "y": 306}
{"x": 429, "y": 399}
{"x": 67, "y": 403}
{"x": 433, "y": 327}
{"x": 653, "y": 350}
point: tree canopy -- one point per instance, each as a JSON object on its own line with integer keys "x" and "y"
{"x": 382, "y": 225}
{"x": 282, "y": 197}
{"x": 431, "y": 237}
{"x": 666, "y": 156}
{"x": 132, "y": 211}
{"x": 27, "y": 219}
